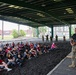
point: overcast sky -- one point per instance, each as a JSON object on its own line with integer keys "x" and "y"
{"x": 11, "y": 26}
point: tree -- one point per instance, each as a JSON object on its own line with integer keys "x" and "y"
{"x": 15, "y": 33}
{"x": 34, "y": 32}
{"x": 42, "y": 30}
{"x": 22, "y": 33}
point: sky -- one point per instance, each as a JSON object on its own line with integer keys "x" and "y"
{"x": 11, "y": 26}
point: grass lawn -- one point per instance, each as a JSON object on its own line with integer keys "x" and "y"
{"x": 6, "y": 37}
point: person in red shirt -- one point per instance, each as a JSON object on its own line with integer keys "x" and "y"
{"x": 13, "y": 44}
{"x": 31, "y": 45}
{"x": 8, "y": 49}
{"x": 39, "y": 49}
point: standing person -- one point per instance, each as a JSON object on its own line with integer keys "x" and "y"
{"x": 73, "y": 44}
{"x": 47, "y": 37}
{"x": 42, "y": 37}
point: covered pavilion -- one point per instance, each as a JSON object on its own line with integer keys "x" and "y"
{"x": 36, "y": 13}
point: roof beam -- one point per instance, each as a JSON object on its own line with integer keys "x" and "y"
{"x": 21, "y": 3}
{"x": 19, "y": 16}
{"x": 7, "y": 18}
{"x": 55, "y": 17}
{"x": 62, "y": 4}
{"x": 31, "y": 7}
{"x": 27, "y": 24}
{"x": 56, "y": 5}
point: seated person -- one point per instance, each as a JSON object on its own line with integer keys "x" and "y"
{"x": 39, "y": 49}
{"x": 45, "y": 49}
{"x": 13, "y": 44}
{"x": 19, "y": 59}
{"x": 27, "y": 46}
{"x": 53, "y": 46}
{"x": 27, "y": 53}
{"x": 20, "y": 47}
{"x": 3, "y": 65}
{"x": 48, "y": 47}
{"x": 33, "y": 52}
{"x": 2, "y": 53}
{"x": 31, "y": 45}
{"x": 10, "y": 60}
{"x": 35, "y": 45}
{"x": 8, "y": 50}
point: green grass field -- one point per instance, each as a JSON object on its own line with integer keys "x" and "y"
{"x": 6, "y": 37}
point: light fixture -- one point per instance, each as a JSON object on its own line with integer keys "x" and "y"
{"x": 69, "y": 10}
{"x": 64, "y": 13}
{"x": 41, "y": 15}
{"x": 35, "y": 19}
{"x": 43, "y": 5}
{"x": 14, "y": 6}
{"x": 17, "y": 7}
{"x": 11, "y": 6}
{"x": 57, "y": 0}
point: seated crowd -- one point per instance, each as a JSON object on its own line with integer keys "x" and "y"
{"x": 15, "y": 54}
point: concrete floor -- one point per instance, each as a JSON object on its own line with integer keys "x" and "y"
{"x": 62, "y": 68}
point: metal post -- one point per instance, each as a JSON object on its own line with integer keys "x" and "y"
{"x": 18, "y": 29}
{"x": 52, "y": 31}
{"x": 69, "y": 31}
{"x": 2, "y": 29}
{"x": 37, "y": 31}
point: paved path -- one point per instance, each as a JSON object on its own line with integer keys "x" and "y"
{"x": 21, "y": 40}
{"x": 63, "y": 69}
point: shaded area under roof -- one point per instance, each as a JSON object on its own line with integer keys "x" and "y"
{"x": 37, "y": 13}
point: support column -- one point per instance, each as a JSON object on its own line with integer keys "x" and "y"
{"x": 2, "y": 29}
{"x": 52, "y": 31}
{"x": 18, "y": 29}
{"x": 69, "y": 31}
{"x": 37, "y": 32}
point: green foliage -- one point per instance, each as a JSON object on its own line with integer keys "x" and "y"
{"x": 72, "y": 30}
{"x": 22, "y": 33}
{"x": 15, "y": 33}
{"x": 34, "y": 32}
{"x": 42, "y": 30}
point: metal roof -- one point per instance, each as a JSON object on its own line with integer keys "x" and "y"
{"x": 37, "y": 13}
